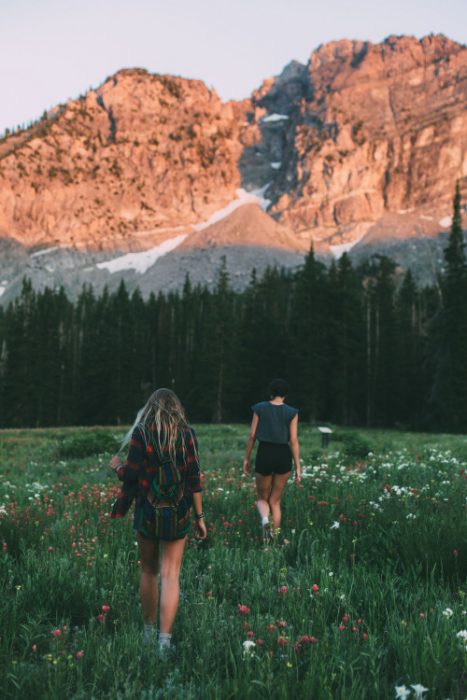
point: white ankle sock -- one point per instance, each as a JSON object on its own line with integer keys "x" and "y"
{"x": 165, "y": 639}
{"x": 264, "y": 520}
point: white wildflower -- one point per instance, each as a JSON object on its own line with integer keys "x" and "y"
{"x": 402, "y": 691}
{"x": 462, "y": 634}
{"x": 419, "y": 690}
{"x": 448, "y": 613}
{"x": 248, "y": 648}
{"x": 335, "y": 526}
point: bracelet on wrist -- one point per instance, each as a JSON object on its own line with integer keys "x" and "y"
{"x": 199, "y": 516}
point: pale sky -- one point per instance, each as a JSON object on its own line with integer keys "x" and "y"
{"x": 53, "y": 50}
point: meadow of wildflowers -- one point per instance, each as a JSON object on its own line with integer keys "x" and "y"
{"x": 361, "y": 596}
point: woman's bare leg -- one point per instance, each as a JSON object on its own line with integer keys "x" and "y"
{"x": 278, "y": 484}
{"x": 149, "y": 556}
{"x": 170, "y": 585}
{"x": 263, "y": 492}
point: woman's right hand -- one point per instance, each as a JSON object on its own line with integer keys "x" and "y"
{"x": 200, "y": 529}
{"x": 298, "y": 476}
{"x": 246, "y": 467}
{"x": 115, "y": 463}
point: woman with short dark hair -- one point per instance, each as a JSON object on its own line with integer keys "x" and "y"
{"x": 274, "y": 425}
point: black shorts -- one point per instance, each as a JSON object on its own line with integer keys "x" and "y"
{"x": 273, "y": 458}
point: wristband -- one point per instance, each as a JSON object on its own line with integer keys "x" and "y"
{"x": 199, "y": 516}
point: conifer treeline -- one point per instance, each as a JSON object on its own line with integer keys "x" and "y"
{"x": 357, "y": 347}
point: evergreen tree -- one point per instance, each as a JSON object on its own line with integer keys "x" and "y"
{"x": 450, "y": 387}
{"x": 346, "y": 346}
{"x": 307, "y": 354}
{"x": 410, "y": 380}
{"x": 221, "y": 342}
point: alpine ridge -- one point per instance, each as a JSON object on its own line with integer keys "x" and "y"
{"x": 357, "y": 150}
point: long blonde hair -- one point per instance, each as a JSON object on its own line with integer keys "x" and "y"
{"x": 162, "y": 422}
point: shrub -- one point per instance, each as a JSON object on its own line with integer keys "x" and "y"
{"x": 353, "y": 445}
{"x": 87, "y": 444}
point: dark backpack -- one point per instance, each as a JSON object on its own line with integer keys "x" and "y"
{"x": 164, "y": 496}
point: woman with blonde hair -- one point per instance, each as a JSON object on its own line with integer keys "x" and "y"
{"x": 162, "y": 473}
{"x": 274, "y": 425}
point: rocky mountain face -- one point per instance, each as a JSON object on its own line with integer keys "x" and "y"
{"x": 360, "y": 149}
{"x": 362, "y": 132}
{"x": 140, "y": 156}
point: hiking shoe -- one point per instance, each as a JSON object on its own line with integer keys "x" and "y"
{"x": 267, "y": 534}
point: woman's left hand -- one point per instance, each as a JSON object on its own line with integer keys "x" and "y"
{"x": 115, "y": 463}
{"x": 298, "y": 477}
{"x": 200, "y": 529}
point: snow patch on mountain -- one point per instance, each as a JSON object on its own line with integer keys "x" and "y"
{"x": 274, "y": 118}
{"x": 141, "y": 262}
{"x": 262, "y": 200}
{"x": 44, "y": 251}
{"x": 243, "y": 197}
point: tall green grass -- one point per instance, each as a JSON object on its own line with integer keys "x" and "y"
{"x": 363, "y": 591}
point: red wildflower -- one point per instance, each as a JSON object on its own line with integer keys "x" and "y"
{"x": 342, "y": 628}
{"x": 101, "y": 618}
{"x": 345, "y": 618}
{"x": 250, "y": 633}
{"x": 259, "y": 642}
{"x": 282, "y": 641}
{"x": 56, "y": 633}
{"x": 283, "y": 589}
{"x": 315, "y": 588}
{"x": 243, "y": 609}
{"x": 79, "y": 654}
{"x": 105, "y": 608}
{"x": 271, "y": 628}
{"x": 282, "y": 624}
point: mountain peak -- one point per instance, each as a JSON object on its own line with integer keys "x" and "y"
{"x": 364, "y": 133}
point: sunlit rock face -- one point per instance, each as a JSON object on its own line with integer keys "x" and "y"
{"x": 358, "y": 150}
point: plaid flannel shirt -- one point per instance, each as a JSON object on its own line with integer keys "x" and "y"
{"x": 141, "y": 464}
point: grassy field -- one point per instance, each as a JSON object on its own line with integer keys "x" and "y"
{"x": 363, "y": 595}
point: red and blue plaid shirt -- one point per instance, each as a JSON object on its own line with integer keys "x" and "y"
{"x": 141, "y": 465}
